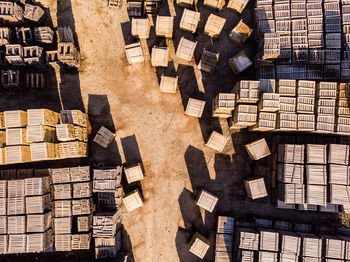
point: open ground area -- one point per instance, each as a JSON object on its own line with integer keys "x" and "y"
{"x": 151, "y": 128}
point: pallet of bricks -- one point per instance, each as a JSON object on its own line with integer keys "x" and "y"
{"x": 291, "y": 105}
{"x": 25, "y": 211}
{"x": 303, "y": 38}
{"x": 35, "y": 135}
{"x": 266, "y": 240}
{"x": 107, "y": 218}
{"x": 307, "y": 174}
{"x": 72, "y": 193}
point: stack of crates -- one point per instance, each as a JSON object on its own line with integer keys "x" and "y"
{"x": 343, "y": 110}
{"x": 224, "y": 238}
{"x": 284, "y": 31}
{"x": 41, "y": 133}
{"x": 306, "y": 94}
{"x": 287, "y": 117}
{"x": 333, "y": 31}
{"x": 25, "y": 212}
{"x": 345, "y": 64}
{"x": 108, "y": 192}
{"x": 291, "y": 190}
{"x": 300, "y": 39}
{"x": 72, "y": 134}
{"x": 72, "y": 193}
{"x": 326, "y": 105}
{"x": 265, "y": 24}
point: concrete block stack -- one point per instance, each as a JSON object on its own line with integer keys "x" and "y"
{"x": 72, "y": 194}
{"x": 107, "y": 220}
{"x": 26, "y": 219}
{"x": 318, "y": 181}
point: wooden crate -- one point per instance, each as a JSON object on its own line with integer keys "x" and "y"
{"x": 63, "y": 208}
{"x": 338, "y": 154}
{"x": 39, "y": 222}
{"x": 16, "y": 206}
{"x": 189, "y": 20}
{"x": 224, "y": 243}
{"x": 316, "y": 195}
{"x": 208, "y": 61}
{"x": 287, "y": 104}
{"x": 326, "y": 107}
{"x": 81, "y": 133}
{"x": 62, "y": 191}
{"x": 104, "y": 137}
{"x": 133, "y": 200}
{"x": 72, "y": 149}
{"x": 84, "y": 223}
{"x": 60, "y": 175}
{"x": 80, "y": 173}
{"x": 343, "y": 126}
{"x": 42, "y": 151}
{"x": 268, "y": 256}
{"x": 316, "y": 174}
{"x": 81, "y": 241}
{"x": 134, "y": 173}
{"x": 339, "y": 194}
{"x": 217, "y": 141}
{"x": 105, "y": 224}
{"x": 245, "y": 115}
{"x": 239, "y": 62}
{"x": 17, "y": 243}
{"x": 214, "y": 25}
{"x": 39, "y": 242}
{"x": 269, "y": 102}
{"x": 16, "y": 136}
{"x": 82, "y": 207}
{"x": 62, "y": 225}
{"x": 240, "y": 33}
{"x": 44, "y": 117}
{"x": 185, "y": 3}
{"x": 207, "y": 200}
{"x": 287, "y": 122}
{"x": 258, "y": 149}
{"x": 195, "y": 107}
{"x": 269, "y": 240}
{"x": 223, "y": 105}
{"x": 134, "y": 53}
{"x": 306, "y": 122}
{"x": 217, "y": 4}
{"x": 16, "y": 224}
{"x": 16, "y": 188}
{"x": 75, "y": 117}
{"x": 247, "y": 91}
{"x": 38, "y": 204}
{"x": 255, "y": 188}
{"x": 108, "y": 173}
{"x": 325, "y": 124}
{"x": 291, "y": 243}
{"x": 199, "y": 245}
{"x": 316, "y": 154}
{"x": 305, "y": 105}
{"x": 63, "y": 242}
{"x": 168, "y": 84}
{"x": 292, "y": 193}
{"x": 140, "y": 27}
{"x": 164, "y": 26}
{"x": 237, "y": 5}
{"x": 160, "y": 56}
{"x": 15, "y": 118}
{"x": 266, "y": 122}
{"x": 185, "y": 49}
{"x": 290, "y": 173}
{"x": 41, "y": 133}
{"x": 65, "y": 132}
{"x": 82, "y": 190}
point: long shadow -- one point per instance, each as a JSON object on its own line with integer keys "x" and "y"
{"x": 132, "y": 157}
{"x": 100, "y": 115}
{"x": 70, "y": 82}
{"x": 200, "y": 179}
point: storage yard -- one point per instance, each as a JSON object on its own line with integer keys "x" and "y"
{"x": 163, "y": 138}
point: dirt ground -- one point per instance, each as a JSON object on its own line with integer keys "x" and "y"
{"x": 151, "y": 127}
